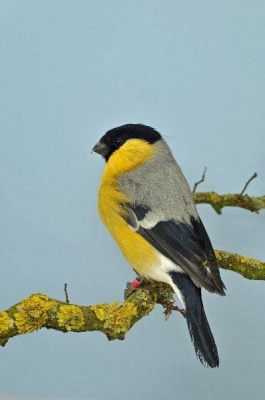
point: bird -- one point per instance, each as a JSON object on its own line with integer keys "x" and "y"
{"x": 145, "y": 202}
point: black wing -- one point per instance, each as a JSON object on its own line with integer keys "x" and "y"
{"x": 186, "y": 245}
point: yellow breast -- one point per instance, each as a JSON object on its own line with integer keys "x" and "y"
{"x": 139, "y": 253}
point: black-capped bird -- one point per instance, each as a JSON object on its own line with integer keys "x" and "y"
{"x": 146, "y": 204}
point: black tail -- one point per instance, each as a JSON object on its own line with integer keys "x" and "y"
{"x": 199, "y": 328}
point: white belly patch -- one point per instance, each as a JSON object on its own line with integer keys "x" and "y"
{"x": 160, "y": 273}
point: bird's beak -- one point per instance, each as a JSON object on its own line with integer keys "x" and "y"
{"x": 100, "y": 148}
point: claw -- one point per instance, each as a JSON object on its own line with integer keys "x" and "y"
{"x": 169, "y": 308}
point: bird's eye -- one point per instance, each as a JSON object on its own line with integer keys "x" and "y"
{"x": 118, "y": 142}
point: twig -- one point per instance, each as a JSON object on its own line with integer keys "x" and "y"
{"x": 248, "y": 182}
{"x": 196, "y": 184}
{"x": 66, "y": 293}
{"x": 219, "y": 201}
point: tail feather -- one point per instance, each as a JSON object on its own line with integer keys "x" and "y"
{"x": 198, "y": 325}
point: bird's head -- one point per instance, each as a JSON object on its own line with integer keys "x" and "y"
{"x": 130, "y": 138}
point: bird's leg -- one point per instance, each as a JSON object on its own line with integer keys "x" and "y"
{"x": 132, "y": 286}
{"x": 169, "y": 308}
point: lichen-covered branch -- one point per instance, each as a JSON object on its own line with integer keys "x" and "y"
{"x": 219, "y": 201}
{"x": 115, "y": 320}
{"x": 248, "y": 267}
{"x": 40, "y": 311}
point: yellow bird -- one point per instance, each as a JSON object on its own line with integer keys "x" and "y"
{"x": 146, "y": 204}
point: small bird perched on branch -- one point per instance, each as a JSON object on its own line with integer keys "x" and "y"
{"x": 146, "y": 204}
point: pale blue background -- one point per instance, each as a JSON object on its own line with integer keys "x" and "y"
{"x": 69, "y": 71}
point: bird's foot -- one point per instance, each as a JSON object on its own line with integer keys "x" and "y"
{"x": 132, "y": 286}
{"x": 169, "y": 308}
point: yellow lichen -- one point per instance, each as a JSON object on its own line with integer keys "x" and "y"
{"x": 144, "y": 300}
{"x": 5, "y": 322}
{"x": 103, "y": 310}
{"x": 70, "y": 317}
{"x": 32, "y": 313}
{"x": 214, "y": 197}
{"x": 116, "y": 318}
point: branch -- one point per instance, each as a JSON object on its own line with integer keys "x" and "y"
{"x": 114, "y": 320}
{"x": 66, "y": 294}
{"x": 196, "y": 184}
{"x": 248, "y": 182}
{"x": 249, "y": 268}
{"x": 219, "y": 201}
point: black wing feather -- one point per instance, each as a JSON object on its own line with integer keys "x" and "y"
{"x": 187, "y": 245}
